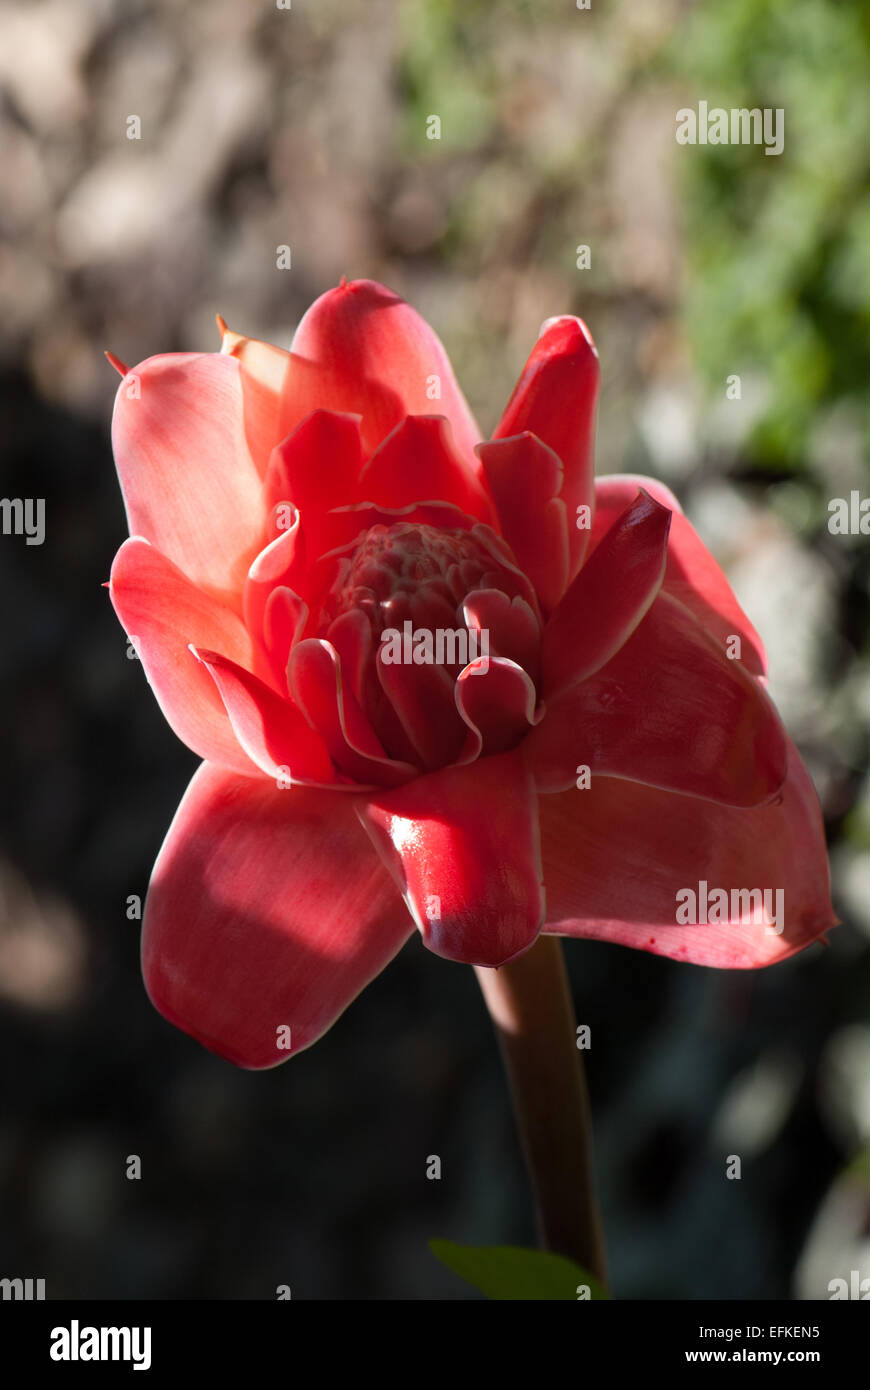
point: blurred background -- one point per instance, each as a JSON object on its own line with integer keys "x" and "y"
{"x": 307, "y": 127}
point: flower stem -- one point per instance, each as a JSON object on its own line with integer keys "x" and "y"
{"x": 530, "y": 1003}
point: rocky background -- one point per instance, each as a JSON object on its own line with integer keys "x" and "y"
{"x": 307, "y": 127}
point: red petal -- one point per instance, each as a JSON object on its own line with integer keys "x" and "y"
{"x": 284, "y": 622}
{"x": 505, "y": 573}
{"x": 555, "y": 398}
{"x": 612, "y": 593}
{"x": 266, "y": 910}
{"x": 190, "y": 485}
{"x": 496, "y": 699}
{"x": 163, "y": 613}
{"x": 418, "y": 463}
{"x": 375, "y": 356}
{"x": 317, "y": 468}
{"x": 617, "y": 854}
{"x": 280, "y": 565}
{"x": 669, "y": 710}
{"x": 514, "y": 630}
{"x": 271, "y": 730}
{"x": 525, "y": 478}
{"x": 691, "y": 574}
{"x": 463, "y": 846}
{"x": 315, "y": 679}
{"x": 351, "y": 635}
{"x": 422, "y": 697}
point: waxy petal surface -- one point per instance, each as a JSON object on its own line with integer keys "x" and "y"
{"x": 669, "y": 710}
{"x": 190, "y": 485}
{"x": 267, "y": 378}
{"x": 267, "y": 911}
{"x": 497, "y": 702}
{"x": 692, "y": 575}
{"x": 462, "y": 844}
{"x": 316, "y": 682}
{"x": 164, "y": 613}
{"x": 609, "y": 597}
{"x": 374, "y": 355}
{"x": 556, "y": 398}
{"x": 417, "y": 462}
{"x": 525, "y": 478}
{"x": 317, "y": 468}
{"x": 271, "y": 730}
{"x": 617, "y": 854}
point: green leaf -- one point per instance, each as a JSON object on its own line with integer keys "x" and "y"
{"x": 510, "y": 1272}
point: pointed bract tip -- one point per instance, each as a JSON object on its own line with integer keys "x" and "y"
{"x": 117, "y": 363}
{"x": 342, "y": 284}
{"x": 221, "y": 324}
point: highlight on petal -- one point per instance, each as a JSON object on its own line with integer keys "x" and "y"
{"x": 670, "y": 710}
{"x": 267, "y": 382}
{"x": 692, "y": 575}
{"x": 556, "y": 399}
{"x": 374, "y": 355}
{"x": 190, "y": 485}
{"x": 266, "y": 915}
{"x": 163, "y": 613}
{"x": 462, "y": 844}
{"x": 609, "y": 597}
{"x": 621, "y": 859}
{"x": 526, "y": 478}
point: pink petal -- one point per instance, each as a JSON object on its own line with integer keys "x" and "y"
{"x": 284, "y": 620}
{"x": 267, "y": 910}
{"x": 555, "y": 398}
{"x": 462, "y": 844}
{"x": 417, "y": 462}
{"x": 617, "y": 854}
{"x": 691, "y": 574}
{"x": 376, "y": 357}
{"x": 271, "y": 730}
{"x": 279, "y": 565}
{"x": 163, "y": 613}
{"x": 317, "y": 468}
{"x": 525, "y": 478}
{"x": 190, "y": 485}
{"x": 669, "y": 710}
{"x": 315, "y": 679}
{"x": 351, "y": 635}
{"x": 267, "y": 375}
{"x": 608, "y": 598}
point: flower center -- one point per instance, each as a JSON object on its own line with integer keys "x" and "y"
{"x": 413, "y": 570}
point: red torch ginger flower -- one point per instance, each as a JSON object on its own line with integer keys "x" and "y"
{"x": 583, "y": 746}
